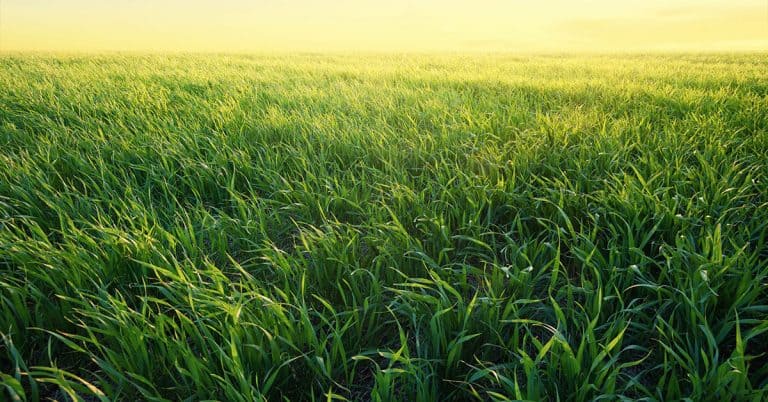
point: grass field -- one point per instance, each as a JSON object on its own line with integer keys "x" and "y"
{"x": 415, "y": 228}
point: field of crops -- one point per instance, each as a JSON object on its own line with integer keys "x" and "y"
{"x": 383, "y": 228}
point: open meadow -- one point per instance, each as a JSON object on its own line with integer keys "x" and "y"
{"x": 383, "y": 227}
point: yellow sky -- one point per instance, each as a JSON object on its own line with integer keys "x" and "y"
{"x": 383, "y": 25}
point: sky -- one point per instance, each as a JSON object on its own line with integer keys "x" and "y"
{"x": 383, "y": 25}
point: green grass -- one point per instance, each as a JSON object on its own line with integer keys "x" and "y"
{"x": 382, "y": 228}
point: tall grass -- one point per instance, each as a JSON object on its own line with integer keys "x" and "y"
{"x": 383, "y": 228}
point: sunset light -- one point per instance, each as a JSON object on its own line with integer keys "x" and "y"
{"x": 396, "y": 25}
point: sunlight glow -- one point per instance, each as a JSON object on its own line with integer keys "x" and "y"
{"x": 383, "y": 25}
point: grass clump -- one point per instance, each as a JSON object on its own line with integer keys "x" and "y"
{"x": 383, "y": 228}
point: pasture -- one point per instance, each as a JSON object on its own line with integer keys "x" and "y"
{"x": 383, "y": 227}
